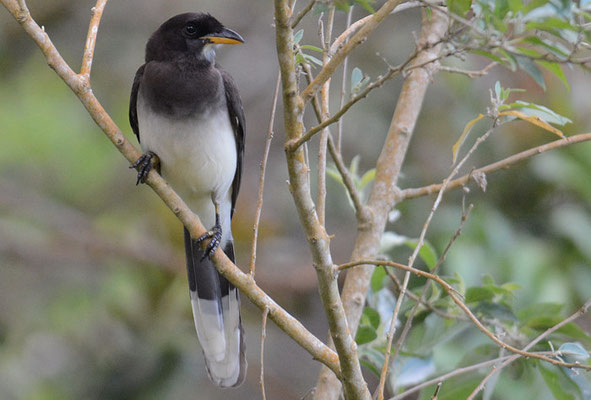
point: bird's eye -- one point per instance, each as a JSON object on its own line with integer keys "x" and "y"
{"x": 191, "y": 30}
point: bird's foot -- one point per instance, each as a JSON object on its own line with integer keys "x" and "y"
{"x": 215, "y": 234}
{"x": 144, "y": 165}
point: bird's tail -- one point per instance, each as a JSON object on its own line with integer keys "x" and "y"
{"x": 216, "y": 310}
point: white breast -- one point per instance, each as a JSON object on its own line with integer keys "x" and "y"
{"x": 198, "y": 156}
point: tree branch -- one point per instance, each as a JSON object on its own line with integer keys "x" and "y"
{"x": 242, "y": 281}
{"x": 371, "y": 225}
{"x": 259, "y": 209}
{"x": 412, "y": 193}
{"x": 97, "y": 13}
{"x": 360, "y": 37}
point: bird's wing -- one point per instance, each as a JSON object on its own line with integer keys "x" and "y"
{"x": 133, "y": 101}
{"x": 238, "y": 124}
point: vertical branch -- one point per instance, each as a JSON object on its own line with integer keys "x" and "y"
{"x": 95, "y": 20}
{"x": 257, "y": 217}
{"x": 318, "y": 240}
{"x": 325, "y": 113}
{"x": 263, "y": 336}
{"x": 384, "y": 192}
{"x": 343, "y": 88}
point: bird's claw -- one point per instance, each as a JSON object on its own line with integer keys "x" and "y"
{"x": 144, "y": 164}
{"x": 215, "y": 234}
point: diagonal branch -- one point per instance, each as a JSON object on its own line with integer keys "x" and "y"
{"x": 244, "y": 282}
{"x": 412, "y": 193}
{"x": 360, "y": 37}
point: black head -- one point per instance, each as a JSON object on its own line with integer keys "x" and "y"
{"x": 192, "y": 34}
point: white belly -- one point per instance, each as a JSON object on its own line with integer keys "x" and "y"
{"x": 198, "y": 158}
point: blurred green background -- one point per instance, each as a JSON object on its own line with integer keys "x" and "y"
{"x": 93, "y": 294}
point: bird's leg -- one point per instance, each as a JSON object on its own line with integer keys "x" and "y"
{"x": 215, "y": 234}
{"x": 144, "y": 164}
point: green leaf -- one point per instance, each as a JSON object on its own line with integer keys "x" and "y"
{"x": 467, "y": 129}
{"x": 459, "y": 7}
{"x": 313, "y": 48}
{"x": 561, "y": 386}
{"x": 356, "y": 77}
{"x": 368, "y": 177}
{"x": 370, "y": 317}
{"x": 476, "y": 293}
{"x": 366, "y": 4}
{"x": 488, "y": 54}
{"x": 312, "y": 59}
{"x": 574, "y": 331}
{"x": 377, "y": 279}
{"x": 508, "y": 59}
{"x": 298, "y": 36}
{"x": 573, "y": 352}
{"x": 427, "y": 253}
{"x": 527, "y": 65}
{"x": 548, "y": 115}
{"x": 515, "y": 5}
{"x": 365, "y": 334}
{"x": 371, "y": 358}
{"x": 556, "y": 69}
{"x": 555, "y": 48}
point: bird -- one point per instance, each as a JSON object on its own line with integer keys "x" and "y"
{"x": 188, "y": 118}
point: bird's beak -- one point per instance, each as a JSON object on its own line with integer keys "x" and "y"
{"x": 226, "y": 36}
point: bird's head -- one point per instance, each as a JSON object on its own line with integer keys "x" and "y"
{"x": 193, "y": 34}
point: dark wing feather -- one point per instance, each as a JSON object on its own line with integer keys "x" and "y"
{"x": 238, "y": 123}
{"x": 133, "y": 101}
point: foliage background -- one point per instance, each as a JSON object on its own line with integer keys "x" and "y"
{"x": 93, "y": 297}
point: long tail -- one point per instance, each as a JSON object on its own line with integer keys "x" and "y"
{"x": 216, "y": 310}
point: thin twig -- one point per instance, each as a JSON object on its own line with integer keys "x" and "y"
{"x": 263, "y": 336}
{"x": 343, "y": 88}
{"x": 302, "y": 13}
{"x": 412, "y": 193}
{"x": 415, "y": 253}
{"x": 469, "y": 74}
{"x": 416, "y": 298}
{"x": 544, "y": 334}
{"x": 379, "y": 82}
{"x": 257, "y": 217}
{"x": 346, "y": 176}
{"x": 361, "y": 36}
{"x": 95, "y": 20}
{"x": 440, "y": 261}
{"x": 325, "y": 109}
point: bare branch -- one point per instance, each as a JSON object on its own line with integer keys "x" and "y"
{"x": 263, "y": 336}
{"x": 506, "y": 163}
{"x": 302, "y": 13}
{"x": 421, "y": 299}
{"x": 371, "y": 225}
{"x": 259, "y": 209}
{"x": 360, "y": 37}
{"x": 469, "y": 74}
{"x": 325, "y": 110}
{"x": 95, "y": 20}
